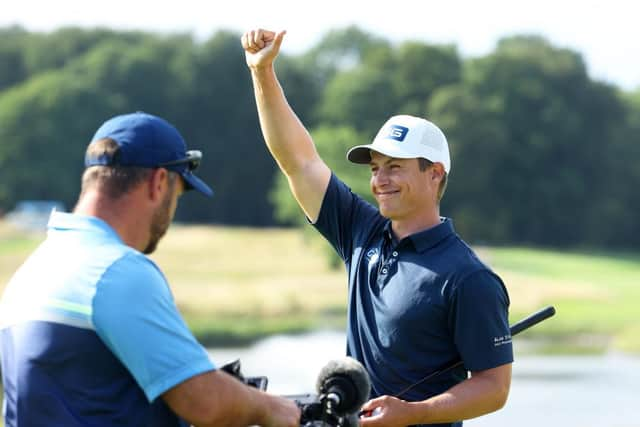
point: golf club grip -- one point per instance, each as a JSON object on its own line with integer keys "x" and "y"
{"x": 532, "y": 320}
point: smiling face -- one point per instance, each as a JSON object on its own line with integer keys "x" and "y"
{"x": 404, "y": 192}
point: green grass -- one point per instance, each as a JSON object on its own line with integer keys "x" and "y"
{"x": 596, "y": 295}
{"x": 234, "y": 285}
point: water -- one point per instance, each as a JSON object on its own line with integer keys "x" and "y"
{"x": 549, "y": 391}
{"x": 291, "y": 363}
{"x": 593, "y": 391}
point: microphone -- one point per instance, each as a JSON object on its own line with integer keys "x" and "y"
{"x": 344, "y": 385}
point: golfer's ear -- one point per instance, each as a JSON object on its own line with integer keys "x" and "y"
{"x": 437, "y": 171}
{"x": 157, "y": 183}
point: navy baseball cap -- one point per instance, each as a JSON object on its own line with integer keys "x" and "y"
{"x": 149, "y": 141}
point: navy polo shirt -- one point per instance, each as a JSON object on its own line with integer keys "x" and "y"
{"x": 417, "y": 304}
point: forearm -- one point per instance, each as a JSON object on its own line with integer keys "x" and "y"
{"x": 479, "y": 395}
{"x": 251, "y": 409}
{"x": 286, "y": 137}
{"x": 217, "y": 399}
{"x": 290, "y": 143}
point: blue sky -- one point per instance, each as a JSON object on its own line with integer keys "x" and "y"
{"x": 607, "y": 34}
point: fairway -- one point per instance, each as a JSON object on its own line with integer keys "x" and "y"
{"x": 234, "y": 285}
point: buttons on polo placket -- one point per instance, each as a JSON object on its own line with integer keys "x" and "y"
{"x": 386, "y": 268}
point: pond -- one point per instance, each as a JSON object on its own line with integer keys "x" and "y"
{"x": 584, "y": 391}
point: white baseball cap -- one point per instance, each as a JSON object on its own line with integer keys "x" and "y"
{"x": 406, "y": 137}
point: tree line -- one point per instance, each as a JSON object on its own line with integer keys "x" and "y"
{"x": 541, "y": 153}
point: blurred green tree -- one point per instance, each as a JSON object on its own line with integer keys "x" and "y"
{"x": 542, "y": 154}
{"x": 527, "y": 129}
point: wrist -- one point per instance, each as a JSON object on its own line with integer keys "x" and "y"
{"x": 419, "y": 412}
{"x": 260, "y": 69}
{"x": 263, "y": 77}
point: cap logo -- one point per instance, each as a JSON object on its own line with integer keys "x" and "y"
{"x": 397, "y": 132}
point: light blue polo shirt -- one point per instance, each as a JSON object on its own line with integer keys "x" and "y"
{"x": 90, "y": 333}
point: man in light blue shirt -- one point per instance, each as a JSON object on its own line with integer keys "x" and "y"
{"x": 89, "y": 331}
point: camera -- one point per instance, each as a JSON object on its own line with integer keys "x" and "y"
{"x": 342, "y": 387}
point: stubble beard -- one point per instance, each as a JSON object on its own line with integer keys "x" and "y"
{"x": 159, "y": 224}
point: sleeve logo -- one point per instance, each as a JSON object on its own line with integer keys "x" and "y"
{"x": 498, "y": 341}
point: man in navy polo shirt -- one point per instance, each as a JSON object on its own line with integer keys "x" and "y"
{"x": 419, "y": 298}
{"x": 89, "y": 331}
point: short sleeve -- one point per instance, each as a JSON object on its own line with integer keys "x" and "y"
{"x": 344, "y": 215}
{"x": 479, "y": 320}
{"x": 136, "y": 317}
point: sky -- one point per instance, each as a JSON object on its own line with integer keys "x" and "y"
{"x": 606, "y": 33}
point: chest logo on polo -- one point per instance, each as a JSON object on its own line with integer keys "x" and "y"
{"x": 372, "y": 256}
{"x": 397, "y": 132}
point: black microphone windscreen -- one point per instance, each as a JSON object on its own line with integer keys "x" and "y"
{"x": 347, "y": 378}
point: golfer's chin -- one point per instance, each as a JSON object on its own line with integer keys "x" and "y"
{"x": 151, "y": 247}
{"x": 387, "y": 210}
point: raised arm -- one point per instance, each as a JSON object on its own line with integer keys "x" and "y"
{"x": 286, "y": 137}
